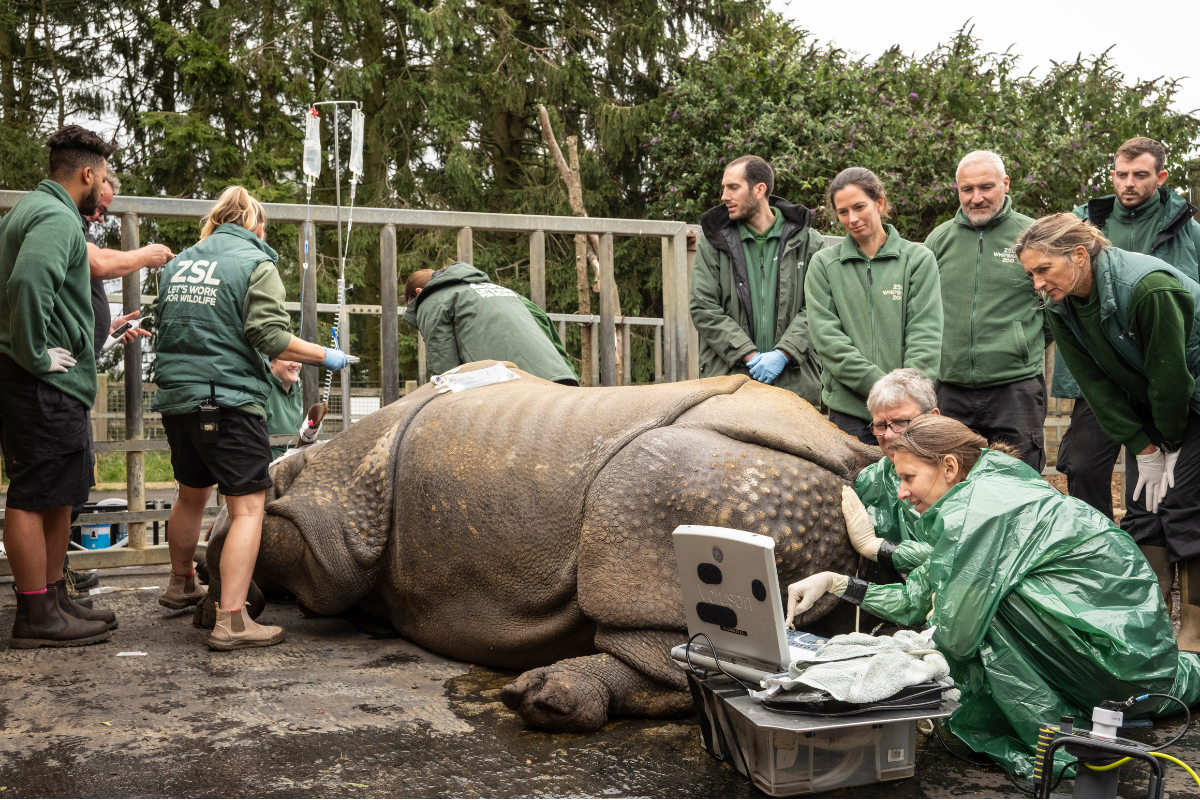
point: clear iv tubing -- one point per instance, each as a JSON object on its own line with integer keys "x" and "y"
{"x": 303, "y": 276}
{"x": 341, "y": 286}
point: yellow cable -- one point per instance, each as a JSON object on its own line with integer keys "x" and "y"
{"x": 1175, "y": 760}
{"x": 1172, "y": 759}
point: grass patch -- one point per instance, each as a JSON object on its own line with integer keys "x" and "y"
{"x": 110, "y": 467}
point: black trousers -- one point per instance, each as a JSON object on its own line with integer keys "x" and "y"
{"x": 1014, "y": 413}
{"x": 1176, "y": 526}
{"x": 1086, "y": 456}
{"x": 858, "y": 428}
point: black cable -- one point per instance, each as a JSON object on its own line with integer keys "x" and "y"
{"x": 1186, "y": 724}
{"x": 987, "y": 763}
{"x": 687, "y": 652}
{"x": 1061, "y": 775}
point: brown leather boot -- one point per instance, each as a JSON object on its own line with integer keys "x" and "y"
{"x": 1160, "y": 562}
{"x": 40, "y": 623}
{"x": 235, "y": 630}
{"x": 75, "y": 609}
{"x": 1188, "y": 639}
{"x": 183, "y": 591}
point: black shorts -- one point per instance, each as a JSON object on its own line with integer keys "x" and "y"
{"x": 237, "y": 462}
{"x": 46, "y": 436}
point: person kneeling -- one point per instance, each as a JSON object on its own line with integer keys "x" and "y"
{"x": 1041, "y": 606}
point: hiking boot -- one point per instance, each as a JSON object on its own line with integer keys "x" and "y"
{"x": 79, "y": 611}
{"x": 235, "y": 630}
{"x": 80, "y": 582}
{"x": 183, "y": 591}
{"x": 40, "y": 623}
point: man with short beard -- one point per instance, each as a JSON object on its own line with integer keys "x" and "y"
{"x": 47, "y": 386}
{"x": 747, "y": 300}
{"x": 994, "y": 333}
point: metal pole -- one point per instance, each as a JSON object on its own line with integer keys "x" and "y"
{"x": 389, "y": 372}
{"x": 537, "y": 269}
{"x": 692, "y": 352}
{"x": 135, "y": 462}
{"x": 422, "y": 370}
{"x": 343, "y": 313}
{"x": 310, "y": 375}
{"x": 608, "y": 313}
{"x": 594, "y": 333}
{"x": 658, "y": 354}
{"x": 626, "y": 355}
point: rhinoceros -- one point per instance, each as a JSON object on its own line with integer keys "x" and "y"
{"x": 527, "y": 525}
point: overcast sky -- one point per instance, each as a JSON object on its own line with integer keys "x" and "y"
{"x": 1039, "y": 31}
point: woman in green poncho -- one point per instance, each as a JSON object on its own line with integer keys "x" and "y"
{"x": 1042, "y": 607}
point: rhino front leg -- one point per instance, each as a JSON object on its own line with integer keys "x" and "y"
{"x": 578, "y": 695}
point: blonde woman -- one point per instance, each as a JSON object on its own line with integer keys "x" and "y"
{"x": 1042, "y": 607}
{"x": 219, "y": 311}
{"x": 1125, "y": 324}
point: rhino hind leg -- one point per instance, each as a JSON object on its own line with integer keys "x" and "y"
{"x": 578, "y": 695}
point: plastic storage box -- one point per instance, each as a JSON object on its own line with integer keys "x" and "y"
{"x": 788, "y": 755}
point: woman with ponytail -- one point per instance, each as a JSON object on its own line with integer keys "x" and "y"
{"x": 1042, "y": 607}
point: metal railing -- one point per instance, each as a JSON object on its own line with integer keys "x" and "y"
{"x": 675, "y": 338}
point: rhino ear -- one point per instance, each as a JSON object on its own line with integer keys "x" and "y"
{"x": 778, "y": 419}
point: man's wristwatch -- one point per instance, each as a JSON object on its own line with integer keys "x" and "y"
{"x": 1167, "y": 446}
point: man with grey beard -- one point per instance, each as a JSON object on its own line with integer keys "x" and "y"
{"x": 994, "y": 333}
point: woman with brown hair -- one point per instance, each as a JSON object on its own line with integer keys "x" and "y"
{"x": 1041, "y": 606}
{"x": 874, "y": 302}
{"x": 219, "y": 312}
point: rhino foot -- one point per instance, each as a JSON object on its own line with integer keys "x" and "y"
{"x": 577, "y": 695}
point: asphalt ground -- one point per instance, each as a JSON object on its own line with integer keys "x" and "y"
{"x": 346, "y": 708}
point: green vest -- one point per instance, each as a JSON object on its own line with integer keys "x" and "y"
{"x": 200, "y": 326}
{"x": 285, "y": 409}
{"x": 1117, "y": 274}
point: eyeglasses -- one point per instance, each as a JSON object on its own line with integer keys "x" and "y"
{"x": 895, "y": 426}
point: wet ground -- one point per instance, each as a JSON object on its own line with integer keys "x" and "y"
{"x": 346, "y": 708}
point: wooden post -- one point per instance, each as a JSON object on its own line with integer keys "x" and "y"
{"x": 658, "y": 354}
{"x": 422, "y": 368}
{"x": 466, "y": 246}
{"x": 135, "y": 462}
{"x": 594, "y": 339}
{"x": 389, "y": 373}
{"x": 310, "y": 376}
{"x": 562, "y": 332}
{"x": 667, "y": 335}
{"x": 608, "y": 313}
{"x": 537, "y": 269}
{"x": 626, "y": 354}
{"x": 99, "y": 423}
{"x": 691, "y": 354}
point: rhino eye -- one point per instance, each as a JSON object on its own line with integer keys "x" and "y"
{"x": 709, "y": 573}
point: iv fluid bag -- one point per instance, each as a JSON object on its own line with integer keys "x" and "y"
{"x": 356, "y": 141}
{"x": 312, "y": 144}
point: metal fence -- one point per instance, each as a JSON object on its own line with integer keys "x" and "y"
{"x": 675, "y": 338}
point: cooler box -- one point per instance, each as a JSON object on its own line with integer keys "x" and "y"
{"x": 786, "y": 755}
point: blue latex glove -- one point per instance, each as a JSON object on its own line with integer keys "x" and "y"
{"x": 336, "y": 359}
{"x": 767, "y": 366}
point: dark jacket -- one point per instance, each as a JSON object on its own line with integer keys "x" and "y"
{"x": 721, "y": 307}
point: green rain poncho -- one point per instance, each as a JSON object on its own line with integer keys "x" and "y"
{"x": 894, "y": 519}
{"x": 1042, "y": 608}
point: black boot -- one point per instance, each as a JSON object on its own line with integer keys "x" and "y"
{"x": 40, "y": 623}
{"x": 79, "y": 611}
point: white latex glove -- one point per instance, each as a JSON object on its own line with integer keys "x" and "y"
{"x": 802, "y": 594}
{"x": 1152, "y": 470}
{"x": 1168, "y": 475}
{"x": 858, "y": 525}
{"x": 60, "y": 360}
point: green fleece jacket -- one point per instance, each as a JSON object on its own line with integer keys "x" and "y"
{"x": 1161, "y": 314}
{"x": 724, "y": 309}
{"x": 463, "y": 317}
{"x": 285, "y": 409}
{"x": 869, "y": 316}
{"x": 45, "y": 290}
{"x": 994, "y": 330}
{"x": 1165, "y": 226}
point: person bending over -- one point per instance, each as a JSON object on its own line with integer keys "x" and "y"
{"x": 464, "y": 317}
{"x": 1041, "y": 606}
{"x": 219, "y": 310}
{"x": 285, "y": 403}
{"x": 882, "y": 526}
{"x": 874, "y": 303}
